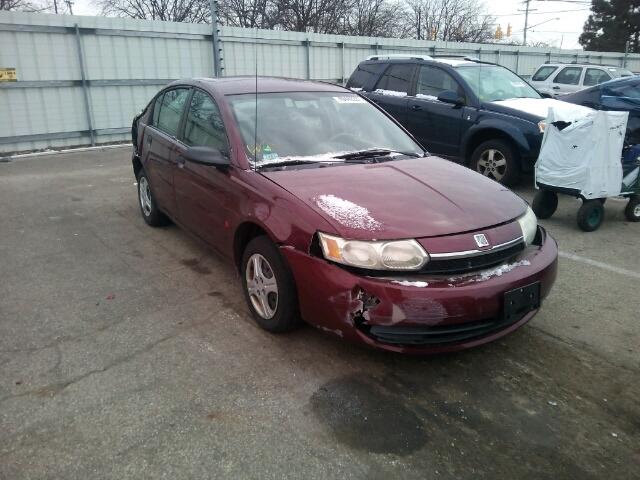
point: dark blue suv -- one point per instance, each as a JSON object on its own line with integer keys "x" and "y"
{"x": 478, "y": 113}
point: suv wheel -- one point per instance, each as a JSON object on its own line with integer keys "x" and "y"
{"x": 497, "y": 160}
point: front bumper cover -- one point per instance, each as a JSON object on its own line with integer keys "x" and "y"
{"x": 370, "y": 309}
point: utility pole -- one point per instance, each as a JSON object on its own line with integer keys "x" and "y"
{"x": 55, "y": 6}
{"x": 69, "y": 5}
{"x": 419, "y": 21}
{"x": 215, "y": 37}
{"x": 526, "y": 21}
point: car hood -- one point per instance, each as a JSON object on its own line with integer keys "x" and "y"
{"x": 413, "y": 198}
{"x": 535, "y": 109}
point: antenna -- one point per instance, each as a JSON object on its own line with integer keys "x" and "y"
{"x": 255, "y": 123}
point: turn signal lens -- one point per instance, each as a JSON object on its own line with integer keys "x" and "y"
{"x": 529, "y": 225}
{"x": 392, "y": 255}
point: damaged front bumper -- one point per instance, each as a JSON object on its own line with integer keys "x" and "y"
{"x": 419, "y": 313}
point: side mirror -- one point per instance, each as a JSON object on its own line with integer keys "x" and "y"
{"x": 206, "y": 156}
{"x": 449, "y": 96}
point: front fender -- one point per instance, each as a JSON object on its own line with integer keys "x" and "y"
{"x": 510, "y": 129}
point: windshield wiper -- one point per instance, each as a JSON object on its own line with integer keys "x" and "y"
{"x": 291, "y": 162}
{"x": 374, "y": 152}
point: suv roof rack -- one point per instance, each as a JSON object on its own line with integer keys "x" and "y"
{"x": 574, "y": 62}
{"x": 394, "y": 56}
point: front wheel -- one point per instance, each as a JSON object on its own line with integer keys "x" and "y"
{"x": 497, "y": 160}
{"x": 590, "y": 215}
{"x": 632, "y": 211}
{"x": 269, "y": 287}
{"x": 545, "y": 203}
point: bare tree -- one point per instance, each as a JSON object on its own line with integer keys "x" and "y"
{"x": 249, "y": 13}
{"x": 450, "y": 20}
{"x": 194, "y": 11}
{"x": 375, "y": 18}
{"x": 23, "y": 5}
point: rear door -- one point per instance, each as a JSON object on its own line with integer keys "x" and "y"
{"x": 595, "y": 76}
{"x": 159, "y": 143}
{"x": 437, "y": 125}
{"x": 567, "y": 80}
{"x": 392, "y": 89}
{"x": 203, "y": 192}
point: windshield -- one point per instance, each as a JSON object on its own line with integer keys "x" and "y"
{"x": 492, "y": 82}
{"x": 317, "y": 126}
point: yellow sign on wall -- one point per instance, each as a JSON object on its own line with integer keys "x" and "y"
{"x": 8, "y": 75}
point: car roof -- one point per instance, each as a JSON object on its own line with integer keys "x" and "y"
{"x": 247, "y": 84}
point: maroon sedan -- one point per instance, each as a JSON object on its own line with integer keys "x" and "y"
{"x": 333, "y": 214}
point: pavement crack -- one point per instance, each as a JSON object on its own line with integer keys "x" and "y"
{"x": 55, "y": 388}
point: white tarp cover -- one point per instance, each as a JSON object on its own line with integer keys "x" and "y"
{"x": 584, "y": 156}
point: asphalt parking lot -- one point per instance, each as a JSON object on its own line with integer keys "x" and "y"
{"x": 128, "y": 352}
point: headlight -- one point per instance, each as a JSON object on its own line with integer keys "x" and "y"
{"x": 542, "y": 125}
{"x": 529, "y": 225}
{"x": 393, "y": 255}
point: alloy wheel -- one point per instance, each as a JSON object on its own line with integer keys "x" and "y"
{"x": 492, "y": 164}
{"x": 145, "y": 195}
{"x": 262, "y": 286}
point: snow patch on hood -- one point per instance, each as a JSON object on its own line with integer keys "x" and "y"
{"x": 347, "y": 213}
{"x": 540, "y": 107}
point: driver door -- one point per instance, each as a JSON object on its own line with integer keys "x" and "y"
{"x": 203, "y": 192}
{"x": 437, "y": 125}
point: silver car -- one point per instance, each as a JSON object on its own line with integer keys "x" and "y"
{"x": 561, "y": 78}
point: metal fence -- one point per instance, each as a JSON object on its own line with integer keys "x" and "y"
{"x": 80, "y": 80}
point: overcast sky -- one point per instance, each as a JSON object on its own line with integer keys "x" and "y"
{"x": 562, "y": 20}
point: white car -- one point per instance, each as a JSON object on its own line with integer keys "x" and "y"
{"x": 561, "y": 78}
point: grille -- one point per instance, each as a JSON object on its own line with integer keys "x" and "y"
{"x": 437, "y": 335}
{"x": 469, "y": 264}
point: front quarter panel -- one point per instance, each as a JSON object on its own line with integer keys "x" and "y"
{"x": 286, "y": 219}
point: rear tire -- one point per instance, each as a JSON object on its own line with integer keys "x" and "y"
{"x": 147, "y": 202}
{"x": 496, "y": 159}
{"x": 545, "y": 203}
{"x": 269, "y": 288}
{"x": 632, "y": 211}
{"x": 590, "y": 215}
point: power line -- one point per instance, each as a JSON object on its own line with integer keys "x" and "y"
{"x": 538, "y": 13}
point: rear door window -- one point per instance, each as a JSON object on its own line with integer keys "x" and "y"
{"x": 543, "y": 73}
{"x": 569, "y": 76}
{"x": 397, "y": 78}
{"x": 433, "y": 80}
{"x": 595, "y": 76}
{"x": 203, "y": 126}
{"x": 171, "y": 108}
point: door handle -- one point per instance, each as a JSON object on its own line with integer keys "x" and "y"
{"x": 556, "y": 88}
{"x": 149, "y": 139}
{"x": 416, "y": 107}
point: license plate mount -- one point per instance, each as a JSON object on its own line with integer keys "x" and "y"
{"x": 520, "y": 301}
